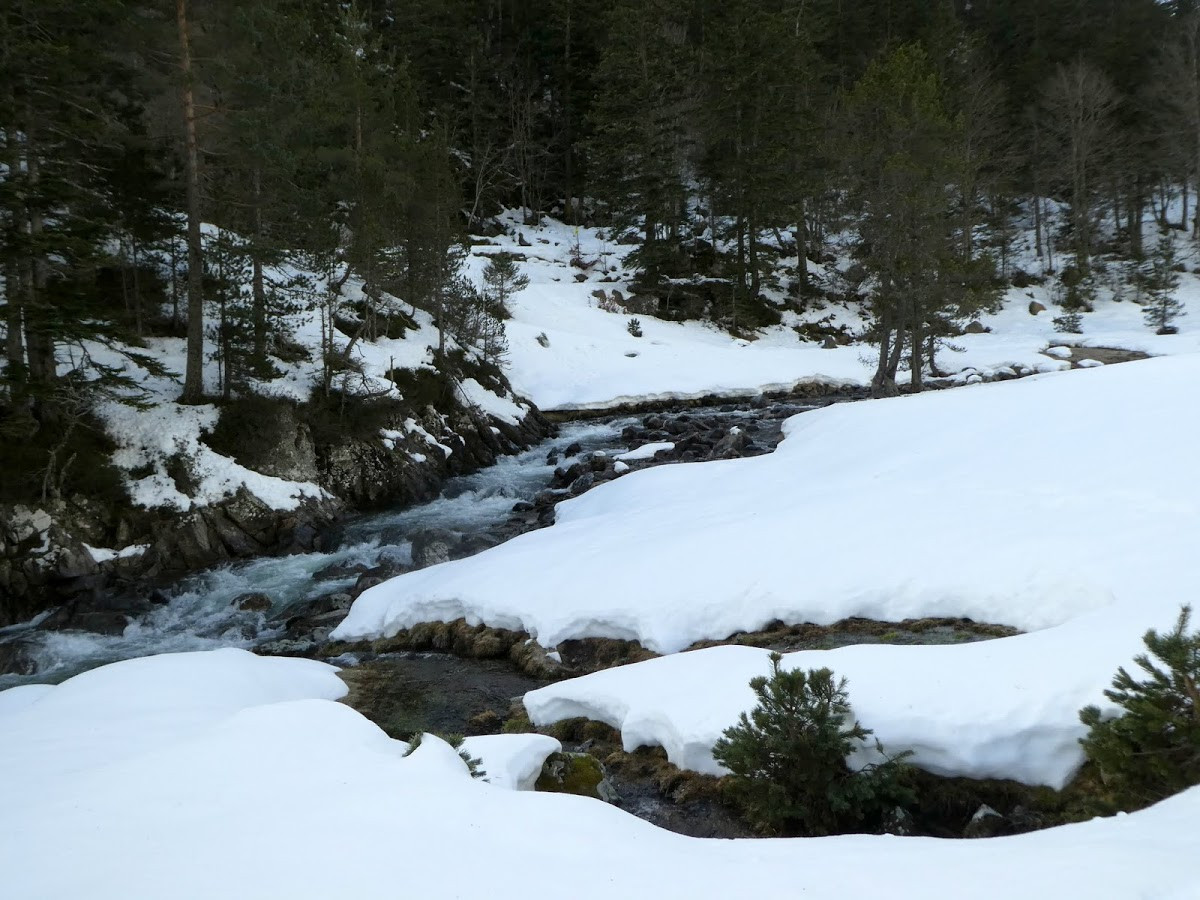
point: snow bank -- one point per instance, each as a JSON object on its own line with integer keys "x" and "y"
{"x": 246, "y": 789}
{"x": 1064, "y": 504}
{"x": 512, "y": 761}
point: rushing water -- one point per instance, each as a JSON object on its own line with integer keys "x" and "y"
{"x": 201, "y": 615}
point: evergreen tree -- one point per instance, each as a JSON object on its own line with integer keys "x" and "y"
{"x": 1160, "y": 283}
{"x": 788, "y": 757}
{"x": 640, "y": 156}
{"x": 502, "y": 278}
{"x": 1151, "y": 750}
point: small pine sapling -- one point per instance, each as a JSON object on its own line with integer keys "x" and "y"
{"x": 502, "y": 278}
{"x": 1152, "y": 749}
{"x": 1160, "y": 281}
{"x": 634, "y": 327}
{"x": 787, "y": 758}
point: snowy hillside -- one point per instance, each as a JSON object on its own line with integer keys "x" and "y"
{"x": 588, "y": 359}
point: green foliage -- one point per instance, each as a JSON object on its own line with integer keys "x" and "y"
{"x": 502, "y": 278}
{"x": 1152, "y": 749}
{"x": 474, "y": 763}
{"x": 634, "y": 327}
{"x": 1160, "y": 282}
{"x": 788, "y": 758}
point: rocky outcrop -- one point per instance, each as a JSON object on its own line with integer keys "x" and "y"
{"x": 393, "y": 457}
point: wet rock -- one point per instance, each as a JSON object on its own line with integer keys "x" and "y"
{"x": 431, "y": 546}
{"x": 365, "y": 582}
{"x": 254, "y": 601}
{"x": 732, "y": 446}
{"x": 986, "y": 822}
{"x": 476, "y": 543}
{"x": 339, "y": 570}
{"x": 287, "y": 647}
{"x": 573, "y": 449}
{"x": 16, "y": 658}
{"x": 584, "y": 482}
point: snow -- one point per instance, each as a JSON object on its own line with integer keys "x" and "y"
{"x": 511, "y": 761}
{"x": 107, "y": 554}
{"x": 646, "y": 451}
{"x": 503, "y": 408}
{"x": 225, "y": 775}
{"x": 1064, "y": 504}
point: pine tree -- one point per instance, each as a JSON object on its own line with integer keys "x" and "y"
{"x": 1152, "y": 749}
{"x": 640, "y": 153}
{"x": 1160, "y": 283}
{"x": 788, "y": 757}
{"x": 502, "y": 278}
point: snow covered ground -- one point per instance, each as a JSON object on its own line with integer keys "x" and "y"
{"x": 222, "y": 774}
{"x": 587, "y": 359}
{"x": 1064, "y": 504}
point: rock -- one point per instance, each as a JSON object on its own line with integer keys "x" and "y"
{"x": 486, "y": 722}
{"x": 829, "y": 344}
{"x": 476, "y": 543}
{"x": 287, "y": 647}
{"x": 600, "y": 295}
{"x": 1035, "y": 307}
{"x": 339, "y": 570}
{"x": 574, "y": 773}
{"x": 16, "y": 658}
{"x": 975, "y": 327}
{"x": 573, "y": 449}
{"x": 584, "y": 482}
{"x": 431, "y": 546}
{"x": 732, "y": 446}
{"x": 618, "y": 297}
{"x": 365, "y": 582}
{"x": 898, "y": 821}
{"x": 521, "y": 241}
{"x": 985, "y": 823}
{"x": 253, "y": 602}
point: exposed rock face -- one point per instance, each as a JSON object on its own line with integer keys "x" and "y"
{"x": 44, "y": 555}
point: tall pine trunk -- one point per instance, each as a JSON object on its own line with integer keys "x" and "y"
{"x": 14, "y": 346}
{"x": 193, "y": 380}
{"x": 258, "y": 311}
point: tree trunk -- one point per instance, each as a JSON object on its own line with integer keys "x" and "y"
{"x": 14, "y": 346}
{"x": 39, "y": 344}
{"x": 258, "y": 309}
{"x": 193, "y": 381}
{"x": 801, "y": 236}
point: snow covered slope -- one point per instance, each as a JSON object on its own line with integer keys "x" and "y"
{"x": 1065, "y": 504}
{"x": 586, "y": 357}
{"x": 224, "y": 775}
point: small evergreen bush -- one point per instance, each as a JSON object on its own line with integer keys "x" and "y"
{"x": 634, "y": 327}
{"x": 788, "y": 759}
{"x": 1151, "y": 750}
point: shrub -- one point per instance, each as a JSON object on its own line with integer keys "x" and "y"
{"x": 634, "y": 327}
{"x": 1069, "y": 323}
{"x": 1152, "y": 749}
{"x": 788, "y": 759}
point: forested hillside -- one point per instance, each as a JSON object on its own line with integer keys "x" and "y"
{"x": 205, "y": 170}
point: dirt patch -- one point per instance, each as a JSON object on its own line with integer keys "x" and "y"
{"x": 410, "y": 693}
{"x": 1106, "y": 355}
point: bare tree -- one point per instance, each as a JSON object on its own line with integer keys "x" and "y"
{"x": 1080, "y": 103}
